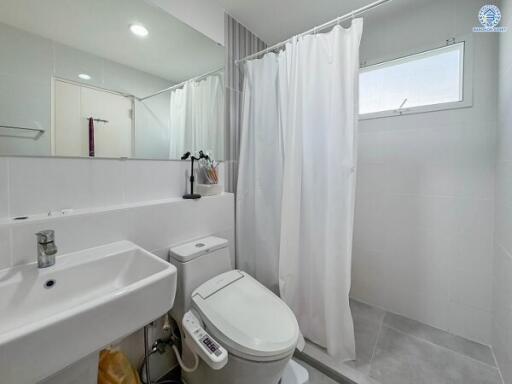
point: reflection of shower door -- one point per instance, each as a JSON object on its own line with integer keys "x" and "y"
{"x": 74, "y": 104}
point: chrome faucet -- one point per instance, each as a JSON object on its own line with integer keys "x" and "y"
{"x": 46, "y": 248}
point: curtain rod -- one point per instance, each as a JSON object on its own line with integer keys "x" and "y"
{"x": 181, "y": 84}
{"x": 350, "y": 15}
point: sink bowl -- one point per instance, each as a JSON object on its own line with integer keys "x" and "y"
{"x": 53, "y": 317}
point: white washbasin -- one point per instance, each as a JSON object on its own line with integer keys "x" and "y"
{"x": 99, "y": 295}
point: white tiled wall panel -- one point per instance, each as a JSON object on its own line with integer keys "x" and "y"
{"x": 121, "y": 193}
{"x": 4, "y": 187}
{"x": 424, "y": 223}
{"x": 502, "y": 303}
{"x": 153, "y": 226}
{"x": 38, "y": 185}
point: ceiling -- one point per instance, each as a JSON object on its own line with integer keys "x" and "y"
{"x": 172, "y": 50}
{"x": 277, "y": 20}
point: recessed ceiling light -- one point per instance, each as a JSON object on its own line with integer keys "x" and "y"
{"x": 84, "y": 76}
{"x": 139, "y": 30}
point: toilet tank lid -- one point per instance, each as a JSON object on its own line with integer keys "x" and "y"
{"x": 190, "y": 251}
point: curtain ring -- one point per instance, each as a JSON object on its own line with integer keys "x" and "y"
{"x": 315, "y": 30}
{"x": 338, "y": 20}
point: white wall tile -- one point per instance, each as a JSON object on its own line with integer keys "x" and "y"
{"x": 44, "y": 184}
{"x": 152, "y": 226}
{"x": 166, "y": 179}
{"x": 434, "y": 310}
{"x": 504, "y": 225}
{"x": 5, "y": 247}
{"x": 424, "y": 216}
{"x": 472, "y": 288}
{"x": 505, "y": 118}
{"x": 506, "y": 38}
{"x": 72, "y": 233}
{"x": 107, "y": 182}
{"x": 180, "y": 222}
{"x": 38, "y": 185}
{"x": 504, "y": 182}
{"x": 502, "y": 287}
{"x": 4, "y": 187}
{"x": 469, "y": 322}
{"x": 502, "y": 292}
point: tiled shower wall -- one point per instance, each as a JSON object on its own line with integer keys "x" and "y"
{"x": 424, "y": 223}
{"x": 502, "y": 324}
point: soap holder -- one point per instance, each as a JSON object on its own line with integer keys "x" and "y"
{"x": 209, "y": 189}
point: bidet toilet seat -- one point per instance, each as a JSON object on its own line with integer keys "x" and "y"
{"x": 246, "y": 318}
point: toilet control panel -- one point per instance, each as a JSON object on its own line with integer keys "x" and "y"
{"x": 211, "y": 345}
{"x": 201, "y": 343}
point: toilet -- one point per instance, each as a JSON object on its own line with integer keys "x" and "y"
{"x": 238, "y": 331}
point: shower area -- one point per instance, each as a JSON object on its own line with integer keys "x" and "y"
{"x": 413, "y": 283}
{"x": 188, "y": 116}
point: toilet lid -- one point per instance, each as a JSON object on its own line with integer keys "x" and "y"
{"x": 247, "y": 318}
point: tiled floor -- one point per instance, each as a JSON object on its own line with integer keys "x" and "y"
{"x": 315, "y": 376}
{"x": 392, "y": 349}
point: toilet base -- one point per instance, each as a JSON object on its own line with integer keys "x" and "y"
{"x": 239, "y": 371}
{"x": 294, "y": 373}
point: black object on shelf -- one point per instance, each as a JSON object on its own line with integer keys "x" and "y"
{"x": 192, "y": 195}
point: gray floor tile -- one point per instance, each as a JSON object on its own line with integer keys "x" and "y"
{"x": 445, "y": 339}
{"x": 364, "y": 311}
{"x": 315, "y": 376}
{"x": 403, "y": 359}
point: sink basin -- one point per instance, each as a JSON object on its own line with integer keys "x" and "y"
{"x": 53, "y": 317}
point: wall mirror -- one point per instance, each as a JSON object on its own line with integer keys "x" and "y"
{"x": 107, "y": 78}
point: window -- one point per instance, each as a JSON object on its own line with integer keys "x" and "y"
{"x": 426, "y": 81}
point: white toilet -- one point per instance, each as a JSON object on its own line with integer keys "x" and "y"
{"x": 241, "y": 332}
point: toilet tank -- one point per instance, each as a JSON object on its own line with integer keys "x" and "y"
{"x": 197, "y": 262}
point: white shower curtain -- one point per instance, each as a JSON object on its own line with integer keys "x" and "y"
{"x": 295, "y": 202}
{"x": 197, "y": 117}
{"x": 178, "y": 121}
{"x": 260, "y": 174}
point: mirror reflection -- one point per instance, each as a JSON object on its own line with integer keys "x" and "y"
{"x": 116, "y": 78}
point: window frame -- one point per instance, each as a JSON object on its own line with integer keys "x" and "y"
{"x": 467, "y": 80}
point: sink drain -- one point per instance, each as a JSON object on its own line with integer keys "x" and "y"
{"x": 49, "y": 284}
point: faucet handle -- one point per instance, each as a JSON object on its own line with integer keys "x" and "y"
{"x": 45, "y": 236}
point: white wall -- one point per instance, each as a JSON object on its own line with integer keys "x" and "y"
{"x": 206, "y": 16}
{"x": 26, "y": 83}
{"x": 424, "y": 207}
{"x": 502, "y": 324}
{"x": 138, "y": 200}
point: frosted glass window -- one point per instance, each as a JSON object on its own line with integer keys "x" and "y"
{"x": 428, "y": 78}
